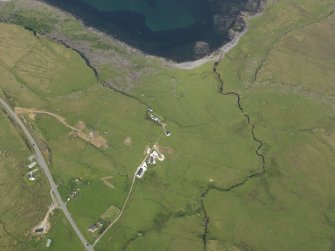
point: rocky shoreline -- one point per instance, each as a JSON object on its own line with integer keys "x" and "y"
{"x": 219, "y": 53}
{"x": 215, "y": 56}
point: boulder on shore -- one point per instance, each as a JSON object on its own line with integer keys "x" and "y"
{"x": 201, "y": 49}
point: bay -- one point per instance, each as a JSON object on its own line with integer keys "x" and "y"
{"x": 166, "y": 28}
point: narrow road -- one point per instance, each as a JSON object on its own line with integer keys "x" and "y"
{"x": 129, "y": 193}
{"x": 120, "y": 214}
{"x": 40, "y": 159}
{"x": 123, "y": 207}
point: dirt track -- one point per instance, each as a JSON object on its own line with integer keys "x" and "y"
{"x": 92, "y": 138}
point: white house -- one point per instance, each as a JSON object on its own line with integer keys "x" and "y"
{"x": 31, "y": 176}
{"x": 48, "y": 243}
{"x": 32, "y": 164}
{"x": 141, "y": 170}
{"x": 155, "y": 155}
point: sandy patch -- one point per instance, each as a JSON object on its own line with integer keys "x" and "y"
{"x": 32, "y": 116}
{"x": 93, "y": 138}
{"x": 127, "y": 141}
{"x": 106, "y": 181}
{"x": 97, "y": 140}
{"x": 80, "y": 125}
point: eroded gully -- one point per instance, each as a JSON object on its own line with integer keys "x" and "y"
{"x": 258, "y": 152}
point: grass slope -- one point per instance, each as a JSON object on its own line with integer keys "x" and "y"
{"x": 76, "y": 97}
{"x": 290, "y": 207}
{"x": 285, "y": 83}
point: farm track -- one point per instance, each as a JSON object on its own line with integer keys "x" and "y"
{"x": 79, "y": 133}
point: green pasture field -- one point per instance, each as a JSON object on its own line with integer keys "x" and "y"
{"x": 283, "y": 71}
{"x": 61, "y": 234}
{"x": 290, "y": 206}
{"x": 113, "y": 115}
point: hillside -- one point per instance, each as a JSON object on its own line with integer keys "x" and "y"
{"x": 249, "y": 163}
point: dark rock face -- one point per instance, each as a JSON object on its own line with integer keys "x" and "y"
{"x": 201, "y": 49}
{"x": 255, "y": 6}
{"x": 228, "y": 15}
{"x": 222, "y": 23}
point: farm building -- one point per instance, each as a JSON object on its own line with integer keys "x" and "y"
{"x": 48, "y": 243}
{"x": 141, "y": 170}
{"x": 31, "y": 176}
{"x": 92, "y": 228}
{"x": 39, "y": 230}
{"x": 31, "y": 165}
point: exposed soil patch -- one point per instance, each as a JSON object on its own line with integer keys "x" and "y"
{"x": 81, "y": 125}
{"x": 92, "y": 137}
{"x": 32, "y": 116}
{"x": 127, "y": 141}
{"x": 106, "y": 181}
{"x": 165, "y": 149}
{"x": 44, "y": 226}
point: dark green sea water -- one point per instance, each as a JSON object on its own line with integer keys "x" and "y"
{"x": 167, "y": 28}
{"x": 160, "y": 15}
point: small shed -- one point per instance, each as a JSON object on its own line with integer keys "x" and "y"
{"x": 48, "y": 243}
{"x": 32, "y": 164}
{"x": 39, "y": 230}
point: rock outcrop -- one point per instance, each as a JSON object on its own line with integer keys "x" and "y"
{"x": 228, "y": 14}
{"x": 254, "y": 6}
{"x": 201, "y": 49}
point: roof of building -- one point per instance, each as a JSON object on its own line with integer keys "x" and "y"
{"x": 92, "y": 228}
{"x": 39, "y": 230}
{"x": 31, "y": 176}
{"x": 32, "y": 164}
{"x": 139, "y": 171}
{"x": 48, "y": 243}
{"x": 154, "y": 154}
